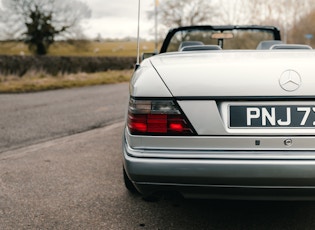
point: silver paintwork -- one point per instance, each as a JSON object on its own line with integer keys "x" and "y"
{"x": 147, "y": 83}
{"x": 202, "y": 144}
{"x": 249, "y": 73}
{"x": 204, "y": 178}
{"x": 219, "y": 157}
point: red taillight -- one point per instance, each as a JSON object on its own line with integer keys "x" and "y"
{"x": 157, "y": 123}
{"x": 156, "y": 118}
{"x": 137, "y": 123}
{"x": 176, "y": 127}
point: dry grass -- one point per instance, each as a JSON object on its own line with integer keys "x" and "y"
{"x": 81, "y": 48}
{"x": 33, "y": 82}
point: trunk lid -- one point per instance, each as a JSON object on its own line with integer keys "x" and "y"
{"x": 237, "y": 73}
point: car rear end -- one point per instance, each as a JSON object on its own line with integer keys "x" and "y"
{"x": 226, "y": 124}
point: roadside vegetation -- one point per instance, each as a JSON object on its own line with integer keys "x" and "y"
{"x": 32, "y": 27}
{"x": 109, "y": 48}
{"x": 35, "y": 81}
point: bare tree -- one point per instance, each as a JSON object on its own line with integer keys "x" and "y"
{"x": 284, "y": 14}
{"x": 38, "y": 22}
{"x": 288, "y": 15}
{"x": 173, "y": 13}
{"x": 234, "y": 12}
{"x": 303, "y": 32}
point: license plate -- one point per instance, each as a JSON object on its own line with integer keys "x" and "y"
{"x": 288, "y": 116}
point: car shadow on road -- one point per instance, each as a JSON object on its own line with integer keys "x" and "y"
{"x": 176, "y": 213}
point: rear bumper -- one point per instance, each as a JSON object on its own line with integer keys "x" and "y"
{"x": 222, "y": 178}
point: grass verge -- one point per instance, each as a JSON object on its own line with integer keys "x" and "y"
{"x": 33, "y": 82}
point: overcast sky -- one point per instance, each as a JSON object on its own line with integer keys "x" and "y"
{"x": 118, "y": 18}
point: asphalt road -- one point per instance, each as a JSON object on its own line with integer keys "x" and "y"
{"x": 74, "y": 181}
{"x": 34, "y": 117}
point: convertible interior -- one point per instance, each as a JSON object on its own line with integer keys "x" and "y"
{"x": 263, "y": 45}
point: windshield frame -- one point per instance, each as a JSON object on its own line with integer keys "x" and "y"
{"x": 271, "y": 29}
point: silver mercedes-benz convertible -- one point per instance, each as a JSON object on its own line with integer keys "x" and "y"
{"x": 223, "y": 112}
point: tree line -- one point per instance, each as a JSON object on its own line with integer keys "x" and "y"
{"x": 295, "y": 18}
{"x": 39, "y": 22}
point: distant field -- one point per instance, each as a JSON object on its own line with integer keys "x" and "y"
{"x": 39, "y": 80}
{"x": 81, "y": 48}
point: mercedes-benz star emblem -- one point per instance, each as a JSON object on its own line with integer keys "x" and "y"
{"x": 290, "y": 80}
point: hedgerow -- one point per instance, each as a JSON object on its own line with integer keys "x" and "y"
{"x": 54, "y": 65}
